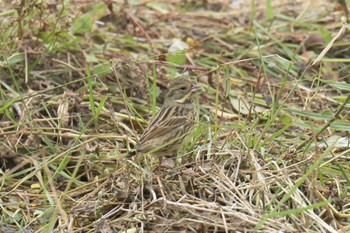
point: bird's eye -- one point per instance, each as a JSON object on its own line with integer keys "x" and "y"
{"x": 182, "y": 88}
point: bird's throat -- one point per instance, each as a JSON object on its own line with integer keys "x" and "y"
{"x": 184, "y": 99}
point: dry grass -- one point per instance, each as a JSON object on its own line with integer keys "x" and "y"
{"x": 80, "y": 81}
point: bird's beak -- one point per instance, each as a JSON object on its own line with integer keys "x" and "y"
{"x": 196, "y": 88}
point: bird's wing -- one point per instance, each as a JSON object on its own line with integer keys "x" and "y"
{"x": 164, "y": 127}
{"x": 158, "y": 129}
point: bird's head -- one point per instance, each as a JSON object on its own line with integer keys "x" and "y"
{"x": 181, "y": 91}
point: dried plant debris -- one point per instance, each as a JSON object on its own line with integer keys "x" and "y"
{"x": 79, "y": 81}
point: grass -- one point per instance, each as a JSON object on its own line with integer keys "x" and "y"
{"x": 79, "y": 81}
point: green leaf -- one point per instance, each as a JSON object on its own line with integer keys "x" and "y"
{"x": 161, "y": 7}
{"x": 286, "y": 119}
{"x": 339, "y": 142}
{"x": 178, "y": 58}
{"x": 341, "y": 125}
{"x": 49, "y": 143}
{"x": 177, "y": 52}
{"x": 341, "y": 86}
{"x": 325, "y": 115}
{"x": 83, "y": 23}
{"x": 98, "y": 10}
{"x": 90, "y": 57}
{"x": 116, "y": 7}
{"x": 15, "y": 58}
{"x": 327, "y": 36}
{"x": 101, "y": 69}
{"x": 239, "y": 105}
{"x": 269, "y": 10}
{"x": 91, "y": 93}
{"x": 100, "y": 106}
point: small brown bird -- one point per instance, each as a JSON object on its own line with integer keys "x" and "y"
{"x": 174, "y": 121}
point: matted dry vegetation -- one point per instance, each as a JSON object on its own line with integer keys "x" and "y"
{"x": 80, "y": 80}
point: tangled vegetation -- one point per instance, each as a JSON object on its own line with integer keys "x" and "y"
{"x": 80, "y": 80}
